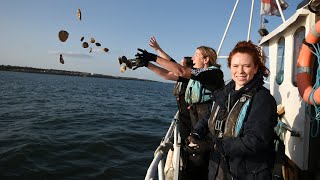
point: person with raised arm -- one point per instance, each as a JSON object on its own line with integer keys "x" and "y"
{"x": 205, "y": 77}
{"x": 179, "y": 88}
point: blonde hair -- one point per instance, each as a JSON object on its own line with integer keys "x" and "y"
{"x": 211, "y": 54}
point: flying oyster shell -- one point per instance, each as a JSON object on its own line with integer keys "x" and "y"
{"x": 63, "y": 35}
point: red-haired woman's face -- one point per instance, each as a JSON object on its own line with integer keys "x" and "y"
{"x": 242, "y": 69}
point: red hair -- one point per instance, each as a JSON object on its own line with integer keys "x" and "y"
{"x": 256, "y": 52}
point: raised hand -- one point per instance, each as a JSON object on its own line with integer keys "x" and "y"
{"x": 154, "y": 44}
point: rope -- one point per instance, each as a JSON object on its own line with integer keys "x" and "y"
{"x": 315, "y": 120}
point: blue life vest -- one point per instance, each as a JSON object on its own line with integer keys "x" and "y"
{"x": 196, "y": 93}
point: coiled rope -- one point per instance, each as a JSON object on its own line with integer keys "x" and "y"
{"x": 315, "y": 120}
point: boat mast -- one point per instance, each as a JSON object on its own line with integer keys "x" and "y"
{"x": 225, "y": 32}
{"x": 229, "y": 22}
{"x": 250, "y": 20}
{"x": 280, "y": 10}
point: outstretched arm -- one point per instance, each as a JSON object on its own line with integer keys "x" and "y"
{"x": 162, "y": 72}
{"x": 176, "y": 68}
{"x": 154, "y": 44}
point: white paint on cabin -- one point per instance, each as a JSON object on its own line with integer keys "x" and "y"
{"x": 297, "y": 148}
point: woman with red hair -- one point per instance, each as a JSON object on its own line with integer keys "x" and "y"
{"x": 242, "y": 119}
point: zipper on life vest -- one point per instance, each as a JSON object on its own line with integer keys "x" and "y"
{"x": 229, "y": 110}
{"x": 229, "y": 114}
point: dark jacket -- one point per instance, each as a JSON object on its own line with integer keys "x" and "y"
{"x": 184, "y": 116}
{"x": 250, "y": 155}
{"x": 212, "y": 80}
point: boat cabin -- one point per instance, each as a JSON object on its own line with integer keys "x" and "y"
{"x": 283, "y": 45}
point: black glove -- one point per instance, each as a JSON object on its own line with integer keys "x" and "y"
{"x": 139, "y": 63}
{"x": 145, "y": 55}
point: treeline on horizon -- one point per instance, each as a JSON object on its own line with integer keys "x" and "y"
{"x": 62, "y": 72}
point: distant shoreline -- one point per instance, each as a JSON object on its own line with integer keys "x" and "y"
{"x": 63, "y": 72}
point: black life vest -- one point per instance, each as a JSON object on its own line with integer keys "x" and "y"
{"x": 179, "y": 91}
{"x": 228, "y": 123}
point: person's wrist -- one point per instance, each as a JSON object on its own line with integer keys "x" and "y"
{"x": 153, "y": 57}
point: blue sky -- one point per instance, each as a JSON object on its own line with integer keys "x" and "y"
{"x": 29, "y": 31}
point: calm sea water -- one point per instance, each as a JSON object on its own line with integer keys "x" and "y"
{"x": 63, "y": 127}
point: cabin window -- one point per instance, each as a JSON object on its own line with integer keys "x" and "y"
{"x": 280, "y": 61}
{"x": 298, "y": 36}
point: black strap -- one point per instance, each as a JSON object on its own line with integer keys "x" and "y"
{"x": 312, "y": 10}
{"x": 279, "y": 157}
{"x": 307, "y": 44}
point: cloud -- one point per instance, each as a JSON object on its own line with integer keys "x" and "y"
{"x": 70, "y": 54}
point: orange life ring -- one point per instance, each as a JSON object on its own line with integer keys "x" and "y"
{"x": 304, "y": 65}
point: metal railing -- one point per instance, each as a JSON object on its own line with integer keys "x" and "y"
{"x": 158, "y": 161}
